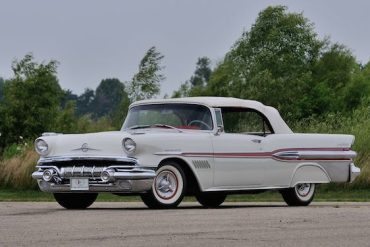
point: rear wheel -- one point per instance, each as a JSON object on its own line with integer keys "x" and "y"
{"x": 75, "y": 200}
{"x": 210, "y": 200}
{"x": 168, "y": 188}
{"x": 299, "y": 195}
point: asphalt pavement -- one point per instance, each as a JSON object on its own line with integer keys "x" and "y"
{"x": 233, "y": 224}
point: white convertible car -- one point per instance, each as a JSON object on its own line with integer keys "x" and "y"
{"x": 204, "y": 146}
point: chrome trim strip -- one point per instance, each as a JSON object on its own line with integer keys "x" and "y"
{"x": 71, "y": 158}
{"x": 168, "y": 153}
{"x": 288, "y": 155}
{"x": 315, "y": 155}
{"x": 237, "y": 188}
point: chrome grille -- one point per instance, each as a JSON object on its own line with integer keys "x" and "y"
{"x": 81, "y": 171}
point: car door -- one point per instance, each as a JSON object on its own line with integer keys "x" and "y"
{"x": 239, "y": 156}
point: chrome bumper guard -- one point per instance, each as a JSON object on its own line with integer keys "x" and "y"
{"x": 354, "y": 172}
{"x": 116, "y": 178}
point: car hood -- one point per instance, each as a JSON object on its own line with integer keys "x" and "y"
{"x": 90, "y": 144}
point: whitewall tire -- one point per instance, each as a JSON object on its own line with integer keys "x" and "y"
{"x": 168, "y": 188}
{"x": 299, "y": 195}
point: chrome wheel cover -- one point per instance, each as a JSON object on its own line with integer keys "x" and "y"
{"x": 303, "y": 189}
{"x": 166, "y": 184}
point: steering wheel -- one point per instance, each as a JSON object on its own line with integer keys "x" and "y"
{"x": 201, "y": 123}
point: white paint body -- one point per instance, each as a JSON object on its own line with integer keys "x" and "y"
{"x": 224, "y": 161}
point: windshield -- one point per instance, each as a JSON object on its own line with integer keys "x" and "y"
{"x": 180, "y": 116}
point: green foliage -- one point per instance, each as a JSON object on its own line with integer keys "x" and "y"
{"x": 108, "y": 97}
{"x": 68, "y": 96}
{"x": 272, "y": 62}
{"x": 357, "y": 123}
{"x": 183, "y": 91}
{"x": 11, "y": 151}
{"x": 85, "y": 102}
{"x": 67, "y": 120}
{"x": 281, "y": 62}
{"x": 1, "y": 89}
{"x": 146, "y": 82}
{"x": 196, "y": 85}
{"x": 31, "y": 100}
{"x": 109, "y": 101}
{"x": 335, "y": 80}
{"x": 202, "y": 72}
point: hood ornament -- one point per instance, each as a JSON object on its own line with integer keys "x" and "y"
{"x": 84, "y": 148}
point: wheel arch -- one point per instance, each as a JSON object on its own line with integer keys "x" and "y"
{"x": 309, "y": 173}
{"x": 193, "y": 184}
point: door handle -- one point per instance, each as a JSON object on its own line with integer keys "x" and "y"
{"x": 256, "y": 140}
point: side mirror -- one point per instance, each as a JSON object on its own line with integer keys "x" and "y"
{"x": 220, "y": 129}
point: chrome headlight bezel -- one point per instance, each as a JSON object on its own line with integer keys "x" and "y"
{"x": 129, "y": 145}
{"x": 41, "y": 147}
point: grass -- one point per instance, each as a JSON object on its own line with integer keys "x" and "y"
{"x": 322, "y": 195}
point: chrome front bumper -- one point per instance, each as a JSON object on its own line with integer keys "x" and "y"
{"x": 354, "y": 172}
{"x": 122, "y": 186}
{"x": 130, "y": 181}
{"x": 126, "y": 177}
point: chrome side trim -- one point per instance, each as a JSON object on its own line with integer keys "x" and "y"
{"x": 240, "y": 188}
{"x": 315, "y": 155}
{"x": 51, "y": 134}
{"x": 168, "y": 153}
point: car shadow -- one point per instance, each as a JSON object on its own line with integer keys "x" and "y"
{"x": 186, "y": 207}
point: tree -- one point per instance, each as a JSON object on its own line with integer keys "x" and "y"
{"x": 85, "y": 102}
{"x": 146, "y": 82}
{"x": 108, "y": 97}
{"x": 1, "y": 89}
{"x": 31, "y": 100}
{"x": 333, "y": 76}
{"x": 357, "y": 92}
{"x": 202, "y": 72}
{"x": 68, "y": 96}
{"x": 183, "y": 91}
{"x": 195, "y": 86}
{"x": 66, "y": 121}
{"x": 272, "y": 62}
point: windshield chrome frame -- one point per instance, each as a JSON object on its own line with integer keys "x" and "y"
{"x": 211, "y": 109}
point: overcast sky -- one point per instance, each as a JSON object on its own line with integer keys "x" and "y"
{"x": 94, "y": 40}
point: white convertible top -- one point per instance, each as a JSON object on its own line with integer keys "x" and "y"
{"x": 277, "y": 123}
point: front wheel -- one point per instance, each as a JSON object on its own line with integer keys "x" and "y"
{"x": 210, "y": 200}
{"x": 75, "y": 200}
{"x": 168, "y": 188}
{"x": 299, "y": 195}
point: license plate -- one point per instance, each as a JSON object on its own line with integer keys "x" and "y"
{"x": 79, "y": 184}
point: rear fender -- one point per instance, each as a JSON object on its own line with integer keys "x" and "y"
{"x": 309, "y": 173}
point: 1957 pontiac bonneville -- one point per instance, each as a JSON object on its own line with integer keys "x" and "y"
{"x": 208, "y": 147}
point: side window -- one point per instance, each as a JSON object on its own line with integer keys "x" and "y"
{"x": 245, "y": 121}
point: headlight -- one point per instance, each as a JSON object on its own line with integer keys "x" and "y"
{"x": 41, "y": 147}
{"x": 129, "y": 145}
